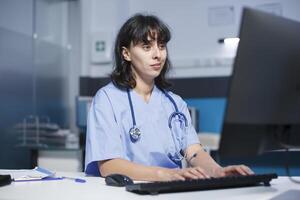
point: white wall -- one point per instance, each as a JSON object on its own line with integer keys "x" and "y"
{"x": 193, "y": 49}
{"x": 98, "y": 16}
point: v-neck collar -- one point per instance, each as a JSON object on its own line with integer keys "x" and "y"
{"x": 141, "y": 99}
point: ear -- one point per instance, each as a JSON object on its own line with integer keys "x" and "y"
{"x": 126, "y": 54}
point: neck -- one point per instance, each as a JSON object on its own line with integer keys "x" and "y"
{"x": 144, "y": 88}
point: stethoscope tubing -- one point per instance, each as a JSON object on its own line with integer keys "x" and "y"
{"x": 135, "y": 133}
{"x": 131, "y": 108}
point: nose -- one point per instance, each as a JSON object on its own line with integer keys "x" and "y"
{"x": 156, "y": 53}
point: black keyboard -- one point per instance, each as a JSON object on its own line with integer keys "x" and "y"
{"x": 201, "y": 184}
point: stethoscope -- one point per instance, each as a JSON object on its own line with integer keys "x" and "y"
{"x": 135, "y": 132}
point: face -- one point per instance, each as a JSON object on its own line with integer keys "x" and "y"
{"x": 147, "y": 60}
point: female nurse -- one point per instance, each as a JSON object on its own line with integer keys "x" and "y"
{"x": 136, "y": 127}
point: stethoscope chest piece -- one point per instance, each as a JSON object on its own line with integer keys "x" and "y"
{"x": 135, "y": 134}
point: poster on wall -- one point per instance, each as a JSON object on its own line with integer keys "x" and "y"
{"x": 221, "y": 16}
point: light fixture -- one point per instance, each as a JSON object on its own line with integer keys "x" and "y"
{"x": 229, "y": 40}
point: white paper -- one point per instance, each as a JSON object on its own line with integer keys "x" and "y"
{"x": 27, "y": 174}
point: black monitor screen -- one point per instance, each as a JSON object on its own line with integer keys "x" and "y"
{"x": 263, "y": 107}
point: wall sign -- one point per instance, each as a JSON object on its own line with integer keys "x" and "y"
{"x": 101, "y": 46}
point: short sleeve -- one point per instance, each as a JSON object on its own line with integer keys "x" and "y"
{"x": 192, "y": 137}
{"x": 103, "y": 140}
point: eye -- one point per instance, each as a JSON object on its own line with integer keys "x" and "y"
{"x": 146, "y": 47}
{"x": 162, "y": 46}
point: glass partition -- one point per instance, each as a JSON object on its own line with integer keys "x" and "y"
{"x": 34, "y": 71}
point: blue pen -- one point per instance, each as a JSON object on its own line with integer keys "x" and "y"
{"x": 78, "y": 180}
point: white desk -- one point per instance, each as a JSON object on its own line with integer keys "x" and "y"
{"x": 95, "y": 188}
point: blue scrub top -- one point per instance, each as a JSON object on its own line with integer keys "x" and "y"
{"x": 109, "y": 122}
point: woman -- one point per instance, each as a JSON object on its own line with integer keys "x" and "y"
{"x": 136, "y": 127}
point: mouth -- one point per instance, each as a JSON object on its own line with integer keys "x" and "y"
{"x": 156, "y": 65}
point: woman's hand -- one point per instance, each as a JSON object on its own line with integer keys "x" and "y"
{"x": 182, "y": 174}
{"x": 233, "y": 170}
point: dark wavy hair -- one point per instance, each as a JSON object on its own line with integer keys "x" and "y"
{"x": 137, "y": 29}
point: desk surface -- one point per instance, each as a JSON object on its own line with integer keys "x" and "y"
{"x": 95, "y": 188}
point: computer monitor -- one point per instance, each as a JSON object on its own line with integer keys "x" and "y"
{"x": 263, "y": 105}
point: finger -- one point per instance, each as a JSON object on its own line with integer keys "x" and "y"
{"x": 178, "y": 177}
{"x": 240, "y": 170}
{"x": 233, "y": 169}
{"x": 189, "y": 175}
{"x": 198, "y": 173}
{"x": 228, "y": 170}
{"x": 202, "y": 172}
{"x": 248, "y": 170}
{"x": 222, "y": 174}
